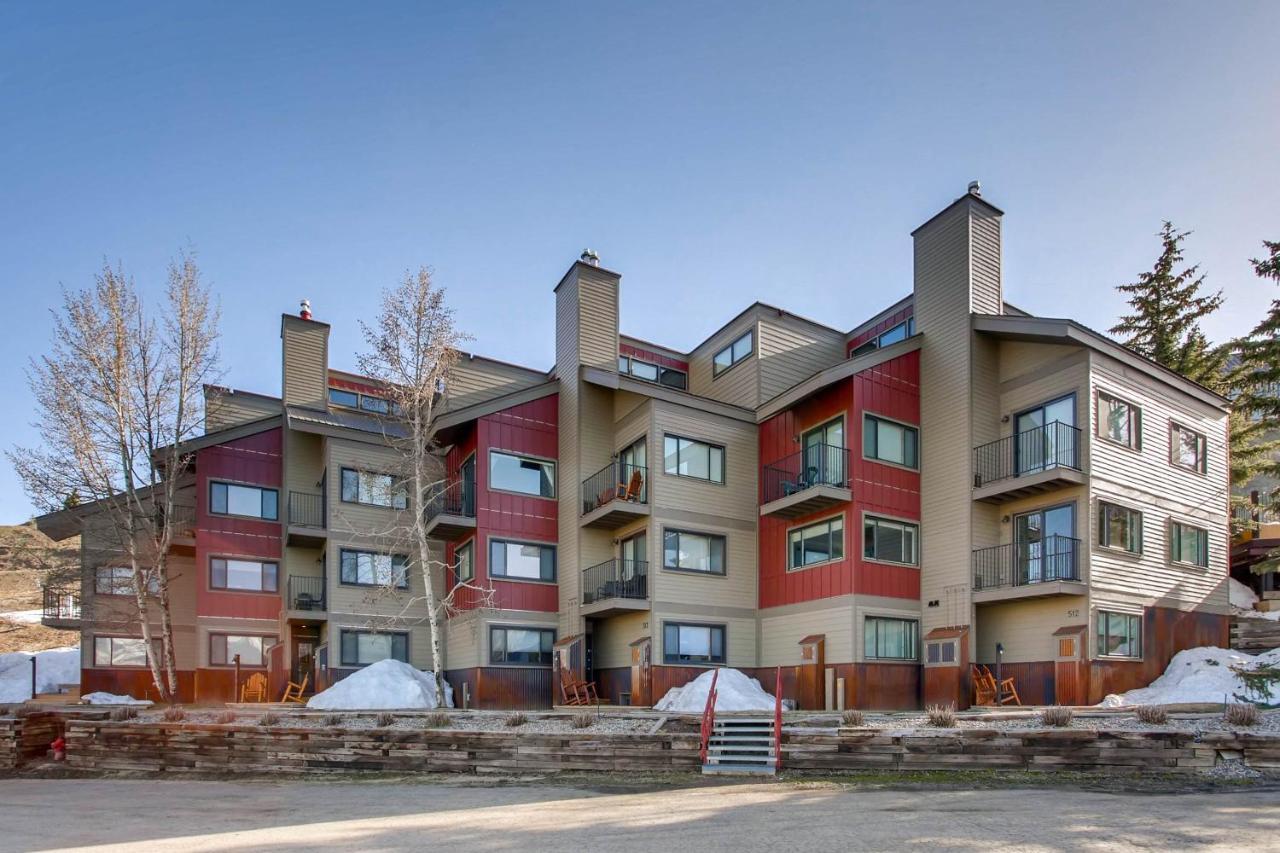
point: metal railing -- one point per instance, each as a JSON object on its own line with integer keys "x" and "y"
{"x": 616, "y": 481}
{"x": 615, "y": 579}
{"x": 182, "y": 519}
{"x": 60, "y": 603}
{"x": 306, "y": 509}
{"x": 1055, "y": 558}
{"x": 818, "y": 465}
{"x": 1055, "y": 445}
{"x": 306, "y": 593}
{"x": 458, "y": 497}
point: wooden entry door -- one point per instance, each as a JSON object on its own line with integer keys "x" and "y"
{"x": 303, "y": 657}
{"x": 1070, "y": 672}
{"x": 641, "y": 674}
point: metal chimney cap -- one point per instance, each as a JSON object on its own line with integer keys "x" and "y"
{"x": 975, "y": 188}
{"x": 589, "y": 256}
{"x": 305, "y": 313}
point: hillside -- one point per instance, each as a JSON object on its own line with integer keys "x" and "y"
{"x": 27, "y": 559}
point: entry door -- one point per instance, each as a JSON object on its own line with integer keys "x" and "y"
{"x": 824, "y": 455}
{"x": 304, "y": 659}
{"x": 1044, "y": 545}
{"x": 631, "y": 460}
{"x": 1038, "y": 444}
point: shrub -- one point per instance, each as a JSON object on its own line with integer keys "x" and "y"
{"x": 582, "y": 720}
{"x": 516, "y": 719}
{"x": 1152, "y": 715}
{"x": 941, "y": 716}
{"x": 1060, "y": 717}
{"x": 437, "y": 720}
{"x": 385, "y": 719}
{"x": 174, "y": 714}
{"x": 128, "y": 712}
{"x": 1240, "y": 714}
{"x": 225, "y": 717}
{"x": 331, "y": 720}
{"x": 852, "y": 717}
{"x": 271, "y": 718}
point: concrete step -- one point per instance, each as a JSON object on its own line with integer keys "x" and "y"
{"x": 721, "y": 748}
{"x": 739, "y": 770}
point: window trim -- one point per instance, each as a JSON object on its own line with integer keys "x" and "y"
{"x": 263, "y": 518}
{"x": 1103, "y": 503}
{"x": 724, "y": 569}
{"x": 231, "y": 663}
{"x": 892, "y": 519}
{"x": 541, "y": 629}
{"x": 153, "y": 587}
{"x": 724, "y": 459}
{"x": 874, "y": 342}
{"x": 345, "y": 550}
{"x": 862, "y": 441}
{"x": 661, "y": 369}
{"x": 1178, "y": 561}
{"x": 261, "y": 561}
{"x": 111, "y": 665}
{"x": 1135, "y": 420}
{"x": 844, "y": 541}
{"x": 717, "y": 371}
{"x": 343, "y": 630}
{"x": 667, "y": 658}
{"x": 1203, "y": 467}
{"x": 555, "y": 474}
{"x": 893, "y": 617}
{"x": 492, "y": 576}
{"x": 397, "y": 489}
{"x": 1142, "y": 630}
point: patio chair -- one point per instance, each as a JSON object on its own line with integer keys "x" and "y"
{"x": 254, "y": 688}
{"x": 293, "y": 690}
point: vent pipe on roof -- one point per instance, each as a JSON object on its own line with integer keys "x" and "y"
{"x": 305, "y": 313}
{"x": 589, "y": 256}
{"x": 975, "y": 188}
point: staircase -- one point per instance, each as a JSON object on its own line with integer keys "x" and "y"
{"x": 1254, "y": 636}
{"x": 741, "y": 746}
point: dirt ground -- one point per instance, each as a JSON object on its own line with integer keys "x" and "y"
{"x": 27, "y": 558}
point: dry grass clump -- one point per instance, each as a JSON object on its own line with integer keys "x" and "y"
{"x": 1241, "y": 714}
{"x": 852, "y": 717}
{"x": 225, "y": 717}
{"x": 174, "y": 714}
{"x": 331, "y": 720}
{"x": 941, "y": 716}
{"x": 437, "y": 720}
{"x": 582, "y": 720}
{"x": 516, "y": 719}
{"x": 128, "y": 712}
{"x": 1059, "y": 717}
{"x": 271, "y": 718}
{"x": 1152, "y": 715}
{"x": 385, "y": 720}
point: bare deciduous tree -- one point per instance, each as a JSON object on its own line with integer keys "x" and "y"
{"x": 118, "y": 393}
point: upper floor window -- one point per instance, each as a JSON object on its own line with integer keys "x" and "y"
{"x": 889, "y": 639}
{"x": 365, "y": 568}
{"x": 889, "y": 441}
{"x": 816, "y": 543}
{"x": 685, "y": 457}
{"x": 364, "y": 402}
{"x": 733, "y": 353}
{"x": 118, "y": 580}
{"x": 1120, "y": 527}
{"x": 463, "y": 557}
{"x": 668, "y": 376}
{"x": 890, "y": 541}
{"x": 511, "y": 473}
{"x": 367, "y": 487}
{"x": 1187, "y": 448}
{"x": 252, "y": 649}
{"x": 1119, "y": 421}
{"x": 249, "y": 501}
{"x": 522, "y": 561}
{"x": 1119, "y": 634}
{"x": 521, "y": 646}
{"x": 693, "y": 552}
{"x": 119, "y": 651}
{"x": 684, "y": 642}
{"x": 1189, "y": 544}
{"x": 361, "y": 648}
{"x": 892, "y": 335}
{"x": 339, "y": 397}
{"x": 243, "y": 575}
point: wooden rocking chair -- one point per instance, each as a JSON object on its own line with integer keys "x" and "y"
{"x": 574, "y": 692}
{"x": 631, "y": 492}
{"x": 1007, "y": 692}
{"x": 254, "y": 689}
{"x": 293, "y": 690}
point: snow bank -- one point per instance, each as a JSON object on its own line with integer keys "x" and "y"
{"x": 101, "y": 698}
{"x": 734, "y": 692}
{"x": 53, "y": 667}
{"x": 383, "y": 686}
{"x": 1197, "y": 675}
{"x": 1241, "y": 595}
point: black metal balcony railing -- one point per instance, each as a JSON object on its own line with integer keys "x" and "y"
{"x": 457, "y": 497}
{"x": 1055, "y": 445}
{"x": 60, "y": 604}
{"x": 306, "y": 509}
{"x": 1055, "y": 558}
{"x": 306, "y": 593}
{"x": 616, "y": 481}
{"x": 615, "y": 579}
{"x": 818, "y": 465}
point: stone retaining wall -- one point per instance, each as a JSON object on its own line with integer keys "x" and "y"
{"x": 27, "y": 736}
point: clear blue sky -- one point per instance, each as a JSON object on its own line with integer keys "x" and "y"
{"x": 713, "y": 153}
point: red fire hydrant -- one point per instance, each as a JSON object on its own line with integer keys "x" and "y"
{"x": 59, "y": 747}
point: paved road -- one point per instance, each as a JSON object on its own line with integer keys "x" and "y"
{"x": 190, "y": 816}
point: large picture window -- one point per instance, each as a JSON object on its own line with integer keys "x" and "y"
{"x": 118, "y": 580}
{"x": 373, "y": 489}
{"x": 689, "y": 551}
{"x": 361, "y": 648}
{"x": 888, "y": 441}
{"x": 521, "y": 646}
{"x": 1119, "y": 634}
{"x": 890, "y": 541}
{"x": 1119, "y": 421}
{"x": 522, "y": 561}
{"x": 889, "y": 639}
{"x": 1119, "y": 527}
{"x": 365, "y": 568}
{"x": 525, "y": 475}
{"x": 689, "y": 643}
{"x": 1187, "y": 448}
{"x": 816, "y": 543}
{"x": 685, "y": 457}
{"x": 252, "y": 650}
{"x": 733, "y": 353}
{"x": 243, "y": 575}
{"x": 1189, "y": 544}
{"x": 250, "y": 501}
{"x": 119, "y": 651}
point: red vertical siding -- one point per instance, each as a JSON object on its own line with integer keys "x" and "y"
{"x": 891, "y": 389}
{"x": 887, "y": 323}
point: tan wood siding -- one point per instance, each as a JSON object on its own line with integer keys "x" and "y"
{"x": 792, "y": 350}
{"x": 613, "y": 638}
{"x": 226, "y": 408}
{"x": 305, "y": 347}
{"x": 474, "y": 380}
{"x": 740, "y": 384}
{"x": 1025, "y": 628}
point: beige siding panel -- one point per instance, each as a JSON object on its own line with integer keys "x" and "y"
{"x": 780, "y": 636}
{"x": 305, "y": 347}
{"x": 984, "y": 260}
{"x": 474, "y": 380}
{"x": 740, "y": 384}
{"x": 419, "y": 638}
{"x": 737, "y": 497}
{"x": 463, "y": 641}
{"x": 355, "y": 518}
{"x": 303, "y": 562}
{"x": 379, "y": 604}
{"x": 1025, "y": 628}
{"x": 598, "y": 318}
{"x": 568, "y": 469}
{"x": 735, "y": 588}
{"x": 792, "y": 350}
{"x": 614, "y": 636}
{"x": 1018, "y": 358}
{"x": 740, "y": 632}
{"x": 226, "y": 409}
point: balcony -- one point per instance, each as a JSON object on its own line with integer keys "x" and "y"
{"x": 1028, "y": 570}
{"x": 61, "y": 608}
{"x": 306, "y": 595}
{"x": 182, "y": 522}
{"x": 616, "y": 494}
{"x": 451, "y": 514}
{"x": 1027, "y": 463}
{"x": 307, "y": 519}
{"x": 615, "y": 586}
{"x": 805, "y": 482}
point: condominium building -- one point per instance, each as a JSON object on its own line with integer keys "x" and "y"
{"x": 950, "y": 482}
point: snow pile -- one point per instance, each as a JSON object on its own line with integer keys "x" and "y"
{"x": 1244, "y": 600}
{"x": 1198, "y": 675}
{"x": 385, "y": 685}
{"x": 101, "y": 698}
{"x": 53, "y": 667}
{"x": 734, "y": 692}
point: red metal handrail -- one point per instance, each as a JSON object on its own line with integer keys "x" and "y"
{"x": 777, "y": 720}
{"x": 709, "y": 714}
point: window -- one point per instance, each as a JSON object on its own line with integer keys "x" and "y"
{"x": 693, "y": 552}
{"x": 887, "y": 441}
{"x": 888, "y": 639}
{"x": 365, "y": 568}
{"x": 364, "y": 402}
{"x": 252, "y": 650}
{"x": 367, "y": 487}
{"x": 1119, "y": 527}
{"x": 377, "y": 405}
{"x": 466, "y": 567}
{"x": 243, "y": 575}
{"x": 685, "y": 457}
{"x": 251, "y": 501}
{"x": 118, "y": 580}
{"x": 1119, "y": 634}
{"x": 344, "y": 398}
{"x": 512, "y": 473}
{"x": 733, "y": 353}
{"x": 521, "y": 646}
{"x": 900, "y": 332}
{"x": 890, "y": 541}
{"x": 1119, "y": 421}
{"x": 522, "y": 561}
{"x": 361, "y": 648}
{"x": 816, "y": 543}
{"x": 1187, "y": 448}
{"x": 119, "y": 651}
{"x": 940, "y": 652}
{"x": 686, "y": 643}
{"x": 1189, "y": 544}
{"x": 668, "y": 376}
